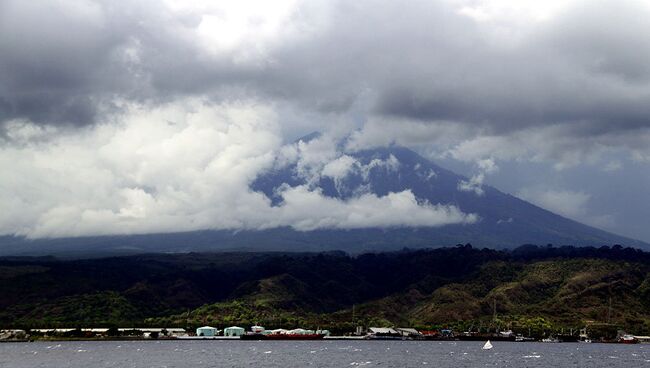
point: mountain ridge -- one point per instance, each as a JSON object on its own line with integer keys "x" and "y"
{"x": 496, "y": 209}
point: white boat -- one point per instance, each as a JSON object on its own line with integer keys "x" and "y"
{"x": 521, "y": 338}
{"x": 550, "y": 339}
{"x": 628, "y": 339}
{"x": 487, "y": 346}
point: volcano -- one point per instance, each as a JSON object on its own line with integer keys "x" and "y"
{"x": 504, "y": 221}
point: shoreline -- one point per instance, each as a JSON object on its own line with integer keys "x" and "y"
{"x": 328, "y": 338}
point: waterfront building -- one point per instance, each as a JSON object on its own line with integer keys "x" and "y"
{"x": 233, "y": 331}
{"x": 206, "y": 331}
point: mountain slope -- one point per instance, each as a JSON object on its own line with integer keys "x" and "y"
{"x": 504, "y": 220}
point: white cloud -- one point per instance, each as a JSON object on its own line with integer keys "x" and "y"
{"x": 379, "y": 132}
{"x": 389, "y": 164}
{"x": 178, "y": 167}
{"x": 185, "y": 166}
{"x": 475, "y": 183}
{"x": 487, "y": 165}
{"x": 308, "y": 210}
{"x": 340, "y": 167}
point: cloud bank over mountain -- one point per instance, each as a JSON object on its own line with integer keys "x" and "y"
{"x": 154, "y": 115}
{"x": 170, "y": 169}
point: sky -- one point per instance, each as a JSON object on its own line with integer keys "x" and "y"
{"x": 155, "y": 116}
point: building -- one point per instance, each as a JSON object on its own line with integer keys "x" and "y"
{"x": 383, "y": 333}
{"x": 383, "y": 330}
{"x": 162, "y": 331}
{"x": 409, "y": 332}
{"x": 206, "y": 331}
{"x": 233, "y": 331}
{"x": 52, "y": 331}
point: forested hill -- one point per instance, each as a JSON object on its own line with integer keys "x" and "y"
{"x": 543, "y": 286}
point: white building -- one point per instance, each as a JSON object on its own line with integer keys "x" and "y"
{"x": 408, "y": 332}
{"x": 233, "y": 331}
{"x": 383, "y": 331}
{"x": 206, "y": 331}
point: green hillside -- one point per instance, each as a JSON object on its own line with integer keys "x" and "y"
{"x": 530, "y": 288}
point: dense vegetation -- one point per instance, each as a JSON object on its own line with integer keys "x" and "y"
{"x": 540, "y": 289}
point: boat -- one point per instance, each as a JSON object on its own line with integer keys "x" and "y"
{"x": 583, "y": 337}
{"x": 252, "y": 336}
{"x": 487, "y": 346}
{"x": 522, "y": 338}
{"x": 475, "y": 336}
{"x": 256, "y": 333}
{"x": 628, "y": 339}
{"x": 550, "y": 339}
{"x": 257, "y": 329}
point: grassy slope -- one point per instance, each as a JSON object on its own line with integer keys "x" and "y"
{"x": 558, "y": 293}
{"x": 538, "y": 288}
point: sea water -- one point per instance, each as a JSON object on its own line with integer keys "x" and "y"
{"x": 318, "y": 354}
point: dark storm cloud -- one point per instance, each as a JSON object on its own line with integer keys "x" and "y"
{"x": 66, "y": 63}
{"x": 427, "y": 62}
{"x": 431, "y": 63}
{"x": 55, "y": 62}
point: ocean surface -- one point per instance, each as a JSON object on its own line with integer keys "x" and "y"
{"x": 318, "y": 354}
